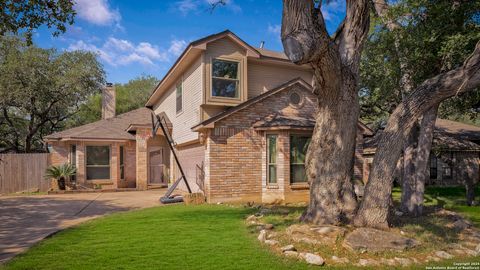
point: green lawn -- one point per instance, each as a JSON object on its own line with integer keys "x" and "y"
{"x": 451, "y": 198}
{"x": 179, "y": 237}
{"x": 170, "y": 237}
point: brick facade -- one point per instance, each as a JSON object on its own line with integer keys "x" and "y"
{"x": 60, "y": 154}
{"x": 235, "y": 160}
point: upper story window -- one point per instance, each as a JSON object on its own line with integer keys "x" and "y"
{"x": 179, "y": 97}
{"x": 225, "y": 78}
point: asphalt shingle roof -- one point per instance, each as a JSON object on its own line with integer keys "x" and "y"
{"x": 447, "y": 134}
{"x": 114, "y": 128}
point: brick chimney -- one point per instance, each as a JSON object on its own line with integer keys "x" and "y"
{"x": 108, "y": 101}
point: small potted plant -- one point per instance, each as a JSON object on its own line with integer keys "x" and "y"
{"x": 60, "y": 173}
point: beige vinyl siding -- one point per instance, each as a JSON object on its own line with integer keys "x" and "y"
{"x": 190, "y": 156}
{"x": 263, "y": 77}
{"x": 192, "y": 98}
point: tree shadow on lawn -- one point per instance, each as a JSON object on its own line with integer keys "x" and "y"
{"x": 432, "y": 228}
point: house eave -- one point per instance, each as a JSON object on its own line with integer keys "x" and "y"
{"x": 66, "y": 139}
{"x": 296, "y": 128}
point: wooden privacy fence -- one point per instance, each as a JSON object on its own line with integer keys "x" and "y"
{"x": 23, "y": 172}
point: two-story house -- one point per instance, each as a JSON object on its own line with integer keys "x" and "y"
{"x": 241, "y": 118}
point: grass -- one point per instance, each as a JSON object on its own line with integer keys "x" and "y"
{"x": 201, "y": 237}
{"x": 170, "y": 237}
{"x": 451, "y": 198}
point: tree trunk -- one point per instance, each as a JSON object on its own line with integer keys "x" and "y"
{"x": 373, "y": 210}
{"x": 335, "y": 62}
{"x": 409, "y": 168}
{"x": 469, "y": 175}
{"x": 330, "y": 159}
{"x": 28, "y": 144}
{"x": 414, "y": 184}
{"x": 470, "y": 192}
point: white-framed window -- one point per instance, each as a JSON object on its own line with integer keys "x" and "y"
{"x": 179, "y": 96}
{"x": 122, "y": 162}
{"x": 98, "y": 162}
{"x": 73, "y": 160}
{"x": 225, "y": 78}
{"x": 272, "y": 159}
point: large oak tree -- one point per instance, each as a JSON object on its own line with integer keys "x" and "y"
{"x": 433, "y": 36}
{"x": 26, "y": 15}
{"x": 40, "y": 89}
{"x": 335, "y": 62}
{"x": 374, "y": 209}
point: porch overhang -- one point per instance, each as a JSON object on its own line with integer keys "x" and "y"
{"x": 67, "y": 139}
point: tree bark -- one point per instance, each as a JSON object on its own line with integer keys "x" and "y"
{"x": 330, "y": 160}
{"x": 409, "y": 168}
{"x": 470, "y": 192}
{"x": 335, "y": 62}
{"x": 373, "y": 210}
{"x": 414, "y": 185}
{"x": 469, "y": 175}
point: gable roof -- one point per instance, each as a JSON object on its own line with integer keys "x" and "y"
{"x": 445, "y": 141}
{"x": 272, "y": 54}
{"x": 458, "y": 129}
{"x": 207, "y": 123}
{"x": 194, "y": 49}
{"x": 447, "y": 134}
{"x": 114, "y": 128}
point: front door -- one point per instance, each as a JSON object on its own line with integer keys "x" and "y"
{"x": 156, "y": 167}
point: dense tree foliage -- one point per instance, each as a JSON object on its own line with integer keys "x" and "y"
{"x": 434, "y": 36}
{"x": 129, "y": 96}
{"x": 27, "y": 15}
{"x": 40, "y": 89}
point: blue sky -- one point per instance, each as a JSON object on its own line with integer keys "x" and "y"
{"x": 133, "y": 38}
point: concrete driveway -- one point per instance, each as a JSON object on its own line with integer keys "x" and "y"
{"x": 25, "y": 220}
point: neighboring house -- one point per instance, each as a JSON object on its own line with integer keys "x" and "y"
{"x": 241, "y": 118}
{"x": 455, "y": 155}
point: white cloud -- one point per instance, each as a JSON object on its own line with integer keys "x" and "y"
{"x": 150, "y": 51}
{"x": 134, "y": 57}
{"x": 97, "y": 12}
{"x": 177, "y": 47}
{"x": 275, "y": 29}
{"x": 120, "y": 52}
{"x": 81, "y": 45}
{"x": 196, "y": 6}
{"x": 185, "y": 6}
{"x": 118, "y": 44}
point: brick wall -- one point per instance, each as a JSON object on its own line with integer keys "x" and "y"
{"x": 358, "y": 163}
{"x": 141, "y": 158}
{"x": 235, "y": 153}
{"x": 235, "y": 163}
{"x": 60, "y": 154}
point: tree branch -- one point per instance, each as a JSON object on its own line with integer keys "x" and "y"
{"x": 304, "y": 35}
{"x": 430, "y": 93}
{"x": 353, "y": 31}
